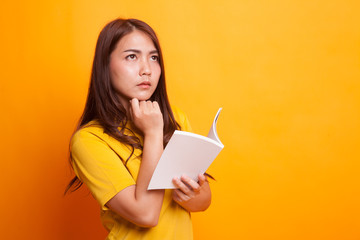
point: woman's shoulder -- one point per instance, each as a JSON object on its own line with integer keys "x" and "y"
{"x": 177, "y": 111}
{"x": 92, "y": 136}
{"x": 181, "y": 118}
{"x": 91, "y": 130}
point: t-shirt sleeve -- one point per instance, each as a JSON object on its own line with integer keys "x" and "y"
{"x": 98, "y": 166}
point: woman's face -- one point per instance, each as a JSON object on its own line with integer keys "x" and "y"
{"x": 134, "y": 67}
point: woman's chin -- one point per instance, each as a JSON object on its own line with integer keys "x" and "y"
{"x": 143, "y": 98}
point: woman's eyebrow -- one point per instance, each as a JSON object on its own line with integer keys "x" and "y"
{"x": 138, "y": 51}
{"x": 154, "y": 51}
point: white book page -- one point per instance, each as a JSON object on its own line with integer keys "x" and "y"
{"x": 213, "y": 133}
{"x": 186, "y": 153}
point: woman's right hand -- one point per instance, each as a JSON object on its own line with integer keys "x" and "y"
{"x": 147, "y": 116}
{"x": 135, "y": 203}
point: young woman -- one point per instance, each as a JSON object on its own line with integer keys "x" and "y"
{"x": 124, "y": 128}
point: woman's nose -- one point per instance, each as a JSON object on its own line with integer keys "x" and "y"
{"x": 145, "y": 68}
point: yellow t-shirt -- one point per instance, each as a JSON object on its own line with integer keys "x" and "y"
{"x": 97, "y": 163}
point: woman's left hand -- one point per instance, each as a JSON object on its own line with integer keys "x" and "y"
{"x": 191, "y": 195}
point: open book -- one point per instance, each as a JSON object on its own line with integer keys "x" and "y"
{"x": 186, "y": 153}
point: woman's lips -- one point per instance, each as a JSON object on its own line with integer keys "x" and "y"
{"x": 145, "y": 84}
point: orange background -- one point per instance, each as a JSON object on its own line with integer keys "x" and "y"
{"x": 286, "y": 73}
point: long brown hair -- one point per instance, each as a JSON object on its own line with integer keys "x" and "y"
{"x": 102, "y": 102}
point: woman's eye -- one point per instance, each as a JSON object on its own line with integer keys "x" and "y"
{"x": 131, "y": 56}
{"x": 155, "y": 58}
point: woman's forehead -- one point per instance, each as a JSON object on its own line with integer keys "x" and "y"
{"x": 136, "y": 40}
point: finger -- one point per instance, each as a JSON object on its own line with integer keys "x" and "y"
{"x": 149, "y": 106}
{"x": 135, "y": 107}
{"x": 142, "y": 105}
{"x": 181, "y": 196}
{"x": 156, "y": 105}
{"x": 182, "y": 187}
{"x": 202, "y": 179}
{"x": 175, "y": 196}
{"x": 176, "y": 182}
{"x": 188, "y": 181}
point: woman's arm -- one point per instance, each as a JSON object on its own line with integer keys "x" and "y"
{"x": 135, "y": 203}
{"x": 191, "y": 195}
